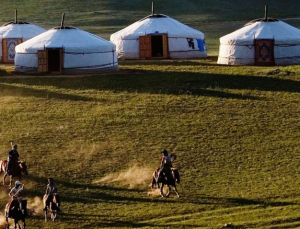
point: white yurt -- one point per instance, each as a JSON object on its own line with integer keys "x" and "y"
{"x": 265, "y": 41}
{"x": 159, "y": 36}
{"x": 14, "y": 33}
{"x": 66, "y": 50}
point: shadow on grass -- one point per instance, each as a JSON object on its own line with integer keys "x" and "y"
{"x": 94, "y": 194}
{"x": 14, "y": 90}
{"x": 287, "y": 223}
{"x": 242, "y": 202}
{"x": 93, "y": 222}
{"x": 154, "y": 82}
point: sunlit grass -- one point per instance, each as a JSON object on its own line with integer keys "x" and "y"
{"x": 235, "y": 131}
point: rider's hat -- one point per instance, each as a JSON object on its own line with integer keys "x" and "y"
{"x": 50, "y": 178}
{"x": 17, "y": 182}
{"x": 164, "y": 152}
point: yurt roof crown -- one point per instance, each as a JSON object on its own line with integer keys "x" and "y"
{"x": 16, "y": 20}
{"x": 265, "y": 19}
{"x": 62, "y": 24}
{"x": 153, "y": 15}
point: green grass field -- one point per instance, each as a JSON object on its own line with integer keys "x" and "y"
{"x": 235, "y": 130}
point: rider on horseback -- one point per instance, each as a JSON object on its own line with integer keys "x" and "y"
{"x": 13, "y": 157}
{"x": 15, "y": 194}
{"x": 166, "y": 162}
{"x": 51, "y": 191}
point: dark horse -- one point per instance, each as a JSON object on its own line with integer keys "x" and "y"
{"x": 164, "y": 177}
{"x": 17, "y": 169}
{"x": 53, "y": 207}
{"x": 17, "y": 214}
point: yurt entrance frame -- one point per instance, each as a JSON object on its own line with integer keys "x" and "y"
{"x": 264, "y": 52}
{"x": 50, "y": 60}
{"x": 154, "y": 46}
{"x": 8, "y": 49}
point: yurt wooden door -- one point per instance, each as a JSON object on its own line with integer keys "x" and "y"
{"x": 8, "y": 49}
{"x": 50, "y": 60}
{"x": 154, "y": 46}
{"x": 264, "y": 52}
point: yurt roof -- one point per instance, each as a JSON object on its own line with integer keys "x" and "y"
{"x": 23, "y": 30}
{"x": 157, "y": 24}
{"x": 280, "y": 31}
{"x": 71, "y": 38}
{"x": 261, "y": 20}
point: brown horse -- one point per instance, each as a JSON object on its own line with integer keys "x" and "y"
{"x": 16, "y": 171}
{"x": 16, "y": 214}
{"x": 163, "y": 177}
{"x": 53, "y": 207}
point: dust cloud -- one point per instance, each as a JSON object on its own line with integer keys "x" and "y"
{"x": 4, "y": 195}
{"x": 133, "y": 177}
{"x": 2, "y": 220}
{"x": 35, "y": 205}
{"x": 154, "y": 192}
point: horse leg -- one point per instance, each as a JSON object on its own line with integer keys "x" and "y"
{"x": 161, "y": 190}
{"x": 153, "y": 183}
{"x": 5, "y": 175}
{"x": 7, "y": 224}
{"x": 53, "y": 215}
{"x": 168, "y": 194}
{"x": 11, "y": 180}
{"x": 175, "y": 189}
{"x": 24, "y": 223}
{"x": 15, "y": 223}
{"x": 46, "y": 215}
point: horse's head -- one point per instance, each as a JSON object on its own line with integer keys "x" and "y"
{"x": 23, "y": 167}
{"x": 176, "y": 175}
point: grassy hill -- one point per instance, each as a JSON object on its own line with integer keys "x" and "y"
{"x": 235, "y": 130}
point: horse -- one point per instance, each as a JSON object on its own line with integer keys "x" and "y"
{"x": 163, "y": 177}
{"x": 16, "y": 214}
{"x": 16, "y": 171}
{"x": 53, "y": 206}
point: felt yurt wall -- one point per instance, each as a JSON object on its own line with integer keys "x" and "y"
{"x": 66, "y": 50}
{"x": 261, "y": 42}
{"x": 14, "y": 33}
{"x": 159, "y": 36}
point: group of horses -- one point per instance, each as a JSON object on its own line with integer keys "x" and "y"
{"x": 19, "y": 214}
{"x": 161, "y": 177}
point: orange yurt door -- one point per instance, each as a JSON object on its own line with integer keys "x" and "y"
{"x": 50, "y": 60}
{"x": 154, "y": 46}
{"x": 145, "y": 46}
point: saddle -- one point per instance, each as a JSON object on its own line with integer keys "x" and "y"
{"x": 11, "y": 206}
{"x": 12, "y": 164}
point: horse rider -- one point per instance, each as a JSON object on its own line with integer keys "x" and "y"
{"x": 51, "y": 191}
{"x": 13, "y": 157}
{"x": 16, "y": 199}
{"x": 166, "y": 161}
